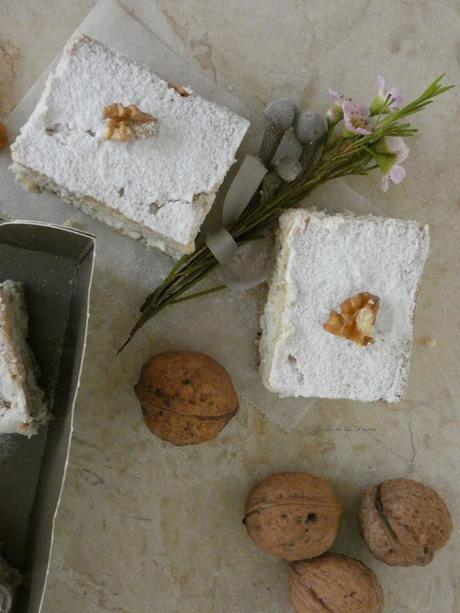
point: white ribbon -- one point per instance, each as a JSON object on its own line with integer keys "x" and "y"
{"x": 220, "y": 242}
{"x": 244, "y": 185}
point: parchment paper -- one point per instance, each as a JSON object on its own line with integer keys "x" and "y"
{"x": 236, "y": 312}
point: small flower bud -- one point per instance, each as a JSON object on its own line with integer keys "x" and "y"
{"x": 378, "y": 105}
{"x": 334, "y": 115}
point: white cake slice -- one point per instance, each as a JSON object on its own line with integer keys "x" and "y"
{"x": 323, "y": 261}
{"x": 22, "y": 406}
{"x": 158, "y": 186}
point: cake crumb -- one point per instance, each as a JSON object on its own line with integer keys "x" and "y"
{"x": 183, "y": 92}
{"x": 4, "y": 142}
{"x": 427, "y": 341}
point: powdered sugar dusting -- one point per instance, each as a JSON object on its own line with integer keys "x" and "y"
{"x": 324, "y": 260}
{"x": 167, "y": 182}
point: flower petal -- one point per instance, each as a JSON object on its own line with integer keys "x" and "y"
{"x": 347, "y": 121}
{"x": 385, "y": 183}
{"x": 362, "y": 110}
{"x": 348, "y": 107}
{"x": 338, "y": 99}
{"x": 397, "y": 173}
{"x": 397, "y": 146}
{"x": 396, "y": 98}
{"x": 393, "y": 143}
{"x": 403, "y": 153}
{"x": 381, "y": 84}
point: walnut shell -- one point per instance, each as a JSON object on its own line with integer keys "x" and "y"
{"x": 403, "y": 522}
{"x": 293, "y": 515}
{"x": 334, "y": 584}
{"x": 186, "y": 397}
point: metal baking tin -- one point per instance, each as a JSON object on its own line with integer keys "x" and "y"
{"x": 56, "y": 265}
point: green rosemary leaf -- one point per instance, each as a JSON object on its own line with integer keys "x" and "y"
{"x": 205, "y": 292}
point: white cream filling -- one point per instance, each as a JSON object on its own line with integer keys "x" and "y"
{"x": 22, "y": 406}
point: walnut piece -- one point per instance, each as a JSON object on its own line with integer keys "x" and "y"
{"x": 182, "y": 91}
{"x": 403, "y": 522}
{"x": 356, "y": 319}
{"x": 4, "y": 143}
{"x": 126, "y": 123}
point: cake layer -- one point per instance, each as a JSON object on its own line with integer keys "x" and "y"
{"x": 22, "y": 406}
{"x": 163, "y": 184}
{"x": 322, "y": 261}
{"x": 98, "y": 210}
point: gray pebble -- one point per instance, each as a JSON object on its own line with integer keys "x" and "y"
{"x": 311, "y": 130}
{"x": 281, "y": 113}
{"x": 279, "y": 117}
{"x": 288, "y": 169}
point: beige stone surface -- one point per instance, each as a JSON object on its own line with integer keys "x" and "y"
{"x": 146, "y": 527}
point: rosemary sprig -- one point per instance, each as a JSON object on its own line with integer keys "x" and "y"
{"x": 342, "y": 156}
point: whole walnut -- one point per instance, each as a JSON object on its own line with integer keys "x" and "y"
{"x": 293, "y": 515}
{"x": 403, "y": 522}
{"x": 334, "y": 584}
{"x": 186, "y": 397}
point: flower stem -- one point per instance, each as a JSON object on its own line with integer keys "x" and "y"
{"x": 340, "y": 158}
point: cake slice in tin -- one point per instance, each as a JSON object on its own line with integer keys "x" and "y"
{"x": 153, "y": 179}
{"x": 22, "y": 405}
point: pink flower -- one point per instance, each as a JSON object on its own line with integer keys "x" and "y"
{"x": 396, "y": 99}
{"x": 391, "y": 151}
{"x": 356, "y": 118}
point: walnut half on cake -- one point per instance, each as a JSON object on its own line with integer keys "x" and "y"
{"x": 22, "y": 406}
{"x": 339, "y": 316}
{"x": 134, "y": 151}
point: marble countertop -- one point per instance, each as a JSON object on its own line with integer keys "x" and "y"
{"x": 145, "y": 527}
